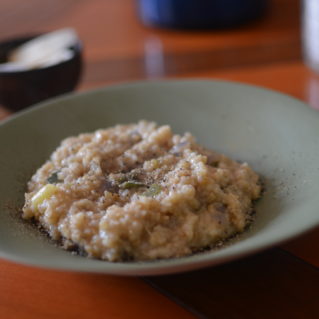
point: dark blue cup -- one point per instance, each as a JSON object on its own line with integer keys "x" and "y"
{"x": 199, "y": 14}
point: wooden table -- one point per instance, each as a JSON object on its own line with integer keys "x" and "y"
{"x": 117, "y": 49}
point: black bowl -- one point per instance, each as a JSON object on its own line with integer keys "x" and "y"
{"x": 20, "y": 89}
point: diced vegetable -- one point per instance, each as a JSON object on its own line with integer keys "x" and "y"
{"x": 178, "y": 148}
{"x": 214, "y": 164}
{"x": 54, "y": 179}
{"x": 44, "y": 193}
{"x": 110, "y": 186}
{"x": 153, "y": 190}
{"x": 155, "y": 163}
{"x": 121, "y": 179}
{"x": 131, "y": 184}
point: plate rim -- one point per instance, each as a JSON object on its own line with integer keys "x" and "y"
{"x": 168, "y": 266}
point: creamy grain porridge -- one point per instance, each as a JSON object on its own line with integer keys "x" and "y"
{"x": 139, "y": 192}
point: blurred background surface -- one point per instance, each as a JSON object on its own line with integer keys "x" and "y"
{"x": 121, "y": 46}
{"x": 118, "y": 47}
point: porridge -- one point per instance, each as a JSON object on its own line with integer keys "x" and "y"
{"x": 139, "y": 192}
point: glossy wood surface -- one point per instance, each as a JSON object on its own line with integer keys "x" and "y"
{"x": 119, "y": 49}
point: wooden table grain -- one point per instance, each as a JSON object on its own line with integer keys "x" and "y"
{"x": 119, "y": 49}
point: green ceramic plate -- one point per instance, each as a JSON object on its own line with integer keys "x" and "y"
{"x": 276, "y": 134}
